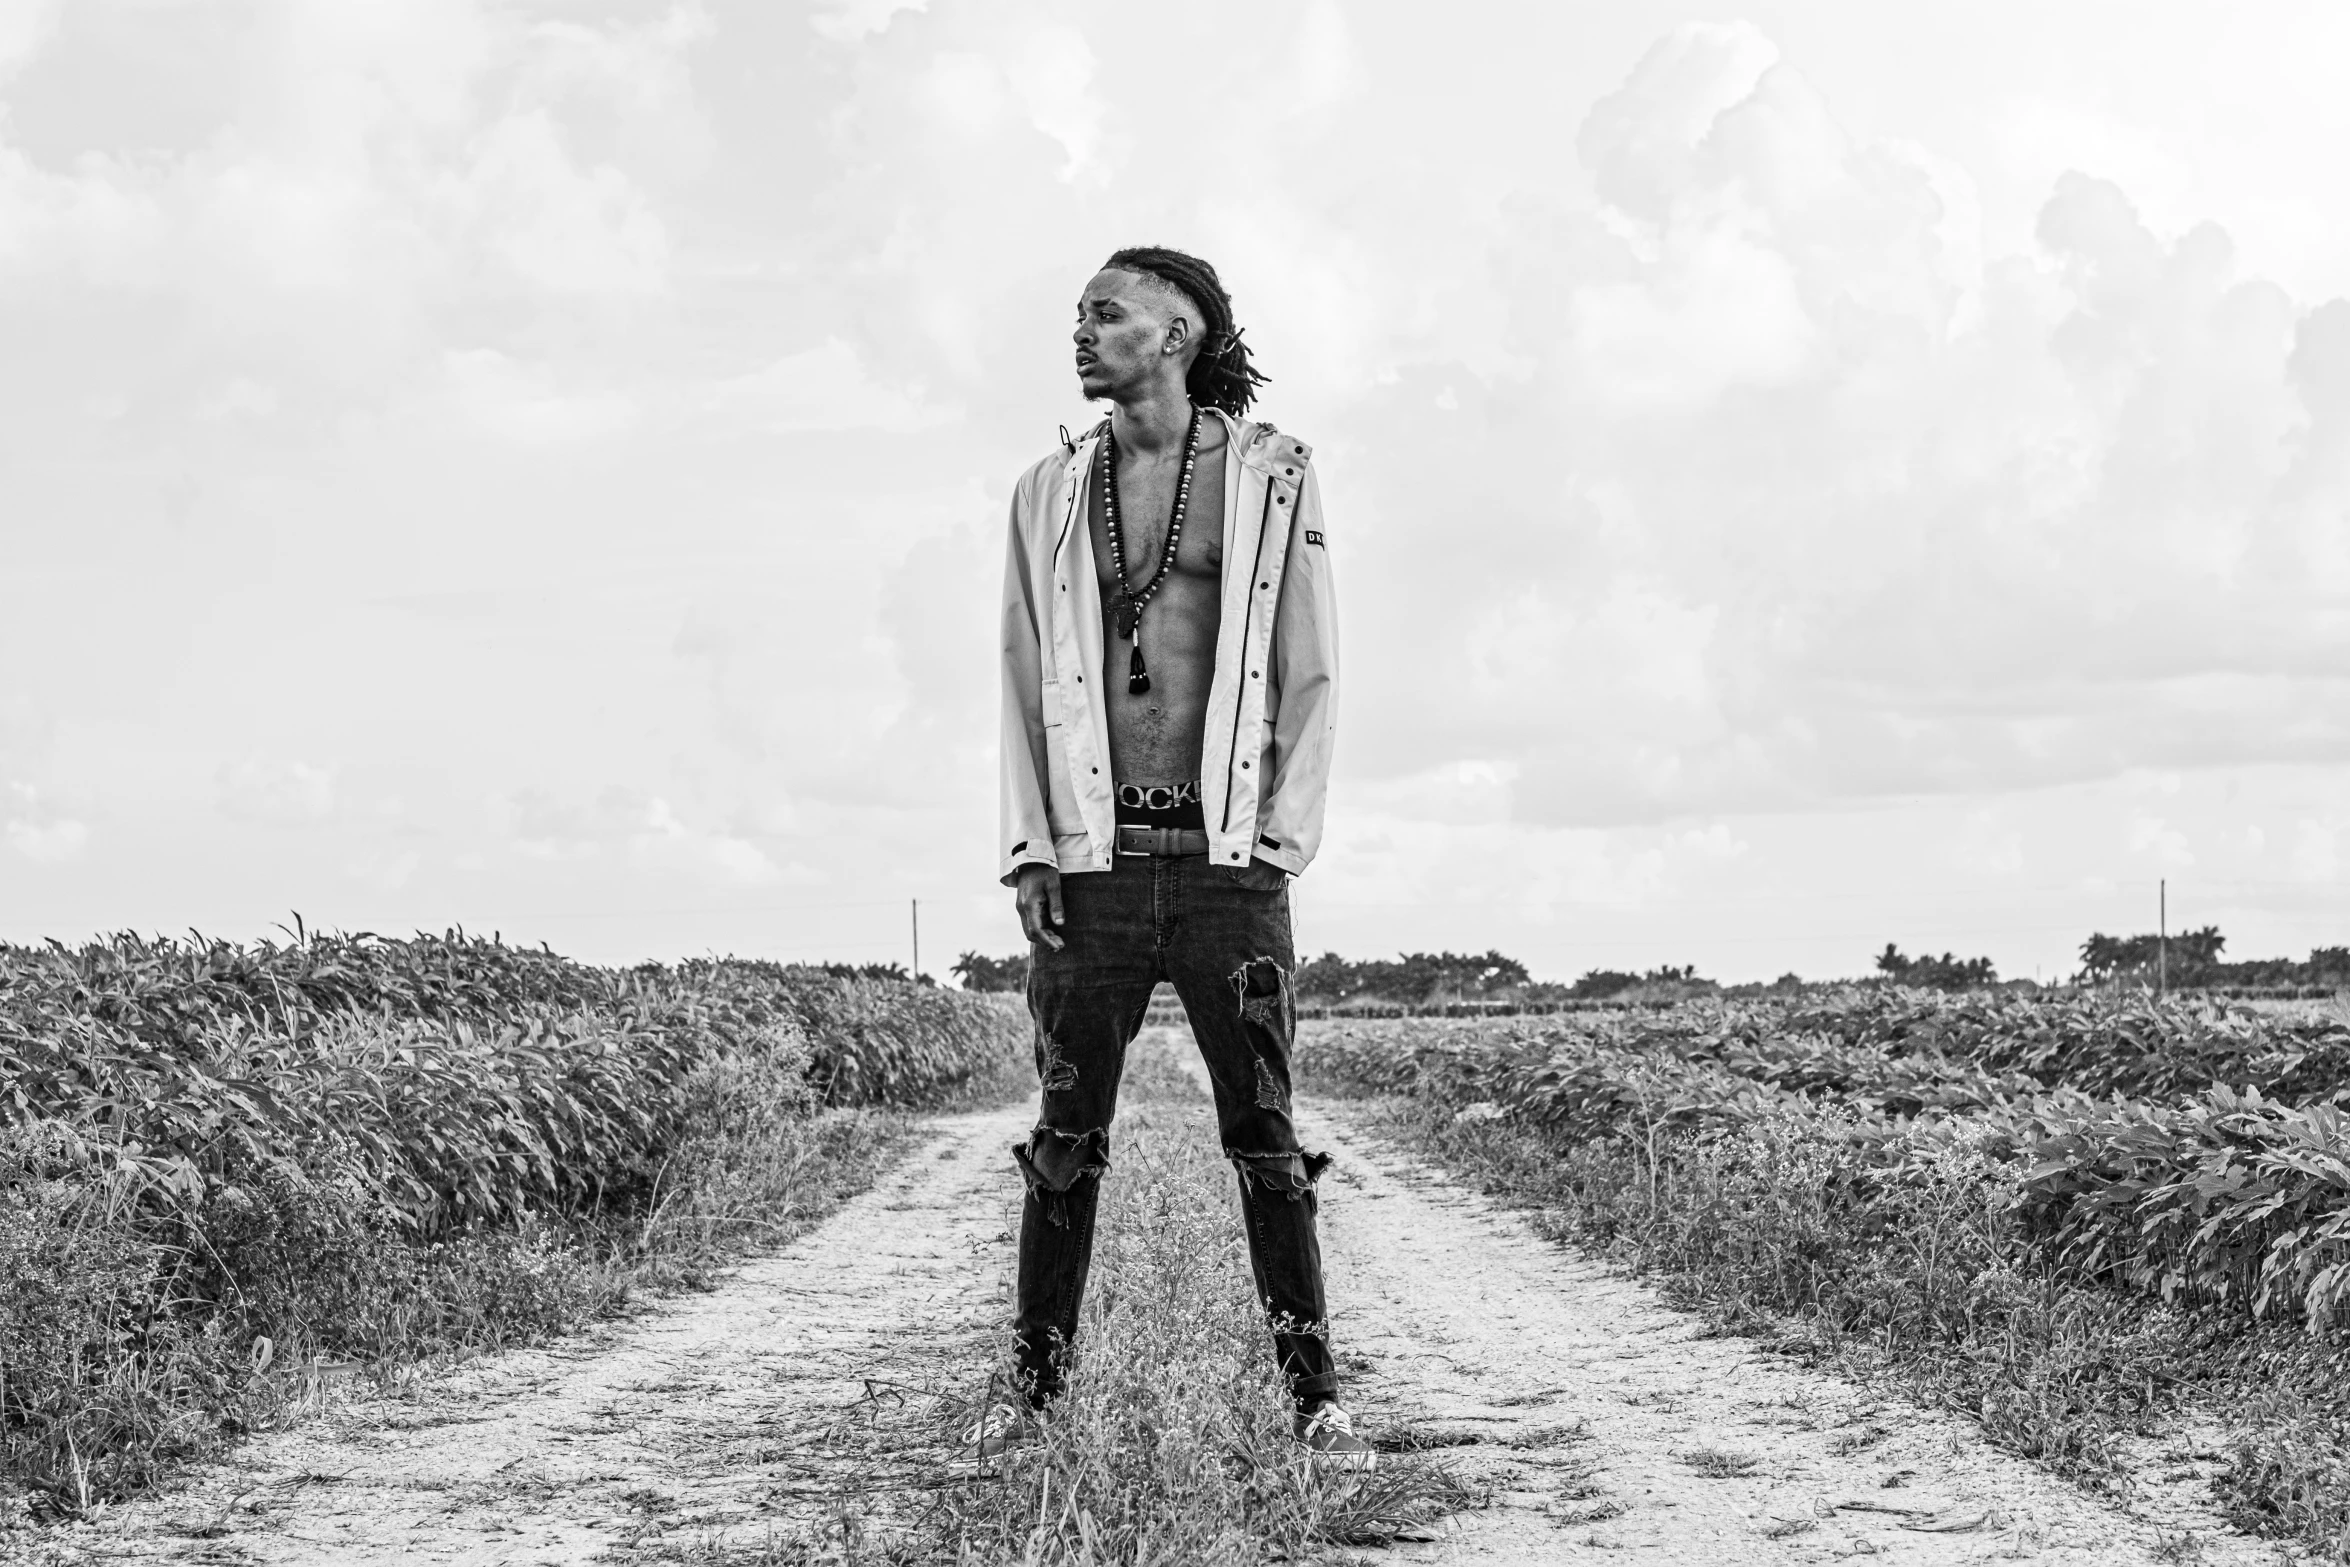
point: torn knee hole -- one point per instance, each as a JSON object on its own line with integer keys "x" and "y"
{"x": 1290, "y": 1174}
{"x": 1055, "y": 1161}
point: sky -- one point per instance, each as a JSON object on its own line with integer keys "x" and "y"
{"x": 1800, "y": 475}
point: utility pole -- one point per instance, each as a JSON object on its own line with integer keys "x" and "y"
{"x": 917, "y": 938}
{"x": 2162, "y": 936}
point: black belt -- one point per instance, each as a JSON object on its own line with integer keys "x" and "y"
{"x": 1165, "y": 842}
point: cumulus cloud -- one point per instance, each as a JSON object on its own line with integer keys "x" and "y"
{"x": 1842, "y": 510}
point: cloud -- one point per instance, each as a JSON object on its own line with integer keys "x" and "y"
{"x": 827, "y": 387}
{"x": 639, "y": 830}
{"x": 1814, "y": 503}
{"x": 276, "y": 793}
{"x": 41, "y": 836}
{"x": 387, "y": 870}
{"x": 25, "y": 25}
{"x": 530, "y": 404}
{"x": 849, "y": 21}
{"x": 668, "y": 843}
{"x": 2321, "y": 849}
{"x": 564, "y": 228}
{"x": 1051, "y": 74}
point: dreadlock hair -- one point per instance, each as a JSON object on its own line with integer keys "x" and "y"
{"x": 1222, "y": 376}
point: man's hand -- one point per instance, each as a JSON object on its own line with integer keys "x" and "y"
{"x": 1261, "y": 876}
{"x": 1038, "y": 898}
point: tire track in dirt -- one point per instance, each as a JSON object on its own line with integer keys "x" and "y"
{"x": 712, "y": 1419}
{"x": 1640, "y": 1434}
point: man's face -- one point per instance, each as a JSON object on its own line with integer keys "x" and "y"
{"x": 1122, "y": 325}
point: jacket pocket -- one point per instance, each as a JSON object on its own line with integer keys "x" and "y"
{"x": 1060, "y": 787}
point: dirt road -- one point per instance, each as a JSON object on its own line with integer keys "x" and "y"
{"x": 713, "y": 1420}
{"x": 1596, "y": 1417}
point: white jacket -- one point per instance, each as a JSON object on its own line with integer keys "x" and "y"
{"x": 1272, "y": 707}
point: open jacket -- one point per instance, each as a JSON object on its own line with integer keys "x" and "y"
{"x": 1273, "y": 703}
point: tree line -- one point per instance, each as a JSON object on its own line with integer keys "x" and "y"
{"x": 1422, "y": 978}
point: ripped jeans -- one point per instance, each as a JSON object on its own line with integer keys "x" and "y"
{"x": 1226, "y": 950}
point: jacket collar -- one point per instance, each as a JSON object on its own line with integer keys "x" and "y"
{"x": 1253, "y": 443}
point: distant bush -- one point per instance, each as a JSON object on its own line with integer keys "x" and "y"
{"x": 978, "y": 972}
{"x": 878, "y": 971}
{"x": 1412, "y": 978}
{"x": 1928, "y": 972}
{"x": 2191, "y": 958}
{"x": 1663, "y": 983}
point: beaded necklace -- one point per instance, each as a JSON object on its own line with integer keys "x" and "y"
{"x": 1130, "y": 601}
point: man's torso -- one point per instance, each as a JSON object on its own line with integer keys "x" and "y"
{"x": 1156, "y": 736}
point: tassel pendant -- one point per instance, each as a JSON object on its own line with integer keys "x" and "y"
{"x": 1138, "y": 679}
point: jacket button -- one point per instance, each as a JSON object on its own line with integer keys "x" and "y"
{"x": 1236, "y": 856}
{"x": 1264, "y": 585}
{"x": 1244, "y": 767}
{"x": 1097, "y": 769}
{"x": 1081, "y": 680}
{"x": 1254, "y": 675}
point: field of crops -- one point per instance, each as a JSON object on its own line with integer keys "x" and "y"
{"x": 2063, "y": 1214}
{"x": 228, "y": 1171}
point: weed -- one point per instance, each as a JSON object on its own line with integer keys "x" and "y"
{"x": 1174, "y": 1442}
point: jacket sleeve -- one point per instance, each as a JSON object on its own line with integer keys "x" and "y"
{"x": 1026, "y": 829}
{"x": 1305, "y": 678}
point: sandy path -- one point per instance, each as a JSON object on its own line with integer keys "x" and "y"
{"x": 717, "y": 1417}
{"x": 1470, "y": 1321}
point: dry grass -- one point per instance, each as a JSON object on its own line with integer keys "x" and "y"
{"x": 1174, "y": 1445}
{"x": 1715, "y": 1463}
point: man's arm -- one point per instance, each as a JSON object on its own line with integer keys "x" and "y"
{"x": 1026, "y": 831}
{"x": 1305, "y": 677}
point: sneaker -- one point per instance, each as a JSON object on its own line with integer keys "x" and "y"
{"x": 1329, "y": 1433}
{"x": 1003, "y": 1428}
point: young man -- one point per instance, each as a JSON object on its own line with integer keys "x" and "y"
{"x": 1170, "y": 663}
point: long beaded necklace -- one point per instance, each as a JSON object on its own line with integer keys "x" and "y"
{"x": 1130, "y": 602}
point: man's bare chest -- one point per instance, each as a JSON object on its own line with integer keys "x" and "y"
{"x": 1146, "y": 513}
